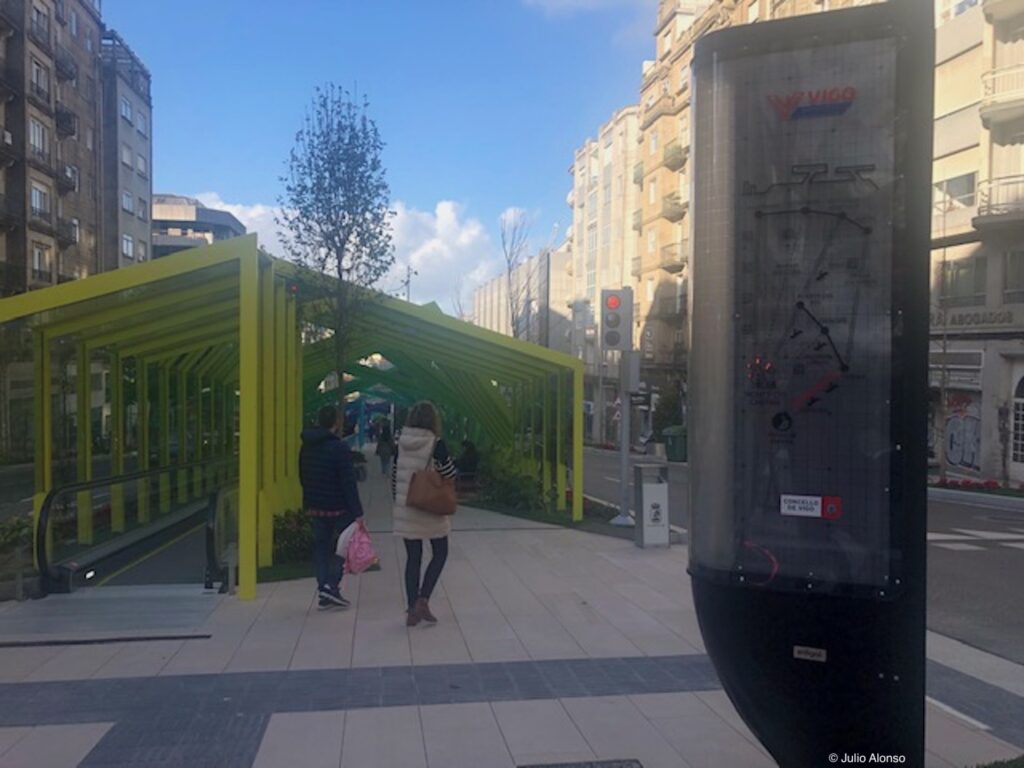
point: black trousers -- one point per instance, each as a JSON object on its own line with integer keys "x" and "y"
{"x": 414, "y": 588}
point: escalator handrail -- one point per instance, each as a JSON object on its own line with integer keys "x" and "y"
{"x": 43, "y": 520}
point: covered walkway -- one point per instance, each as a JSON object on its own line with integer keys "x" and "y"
{"x": 144, "y": 396}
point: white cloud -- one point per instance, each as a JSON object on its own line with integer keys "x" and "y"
{"x": 451, "y": 253}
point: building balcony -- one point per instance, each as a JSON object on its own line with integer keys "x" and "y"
{"x": 10, "y": 151}
{"x": 663, "y": 105}
{"x": 1002, "y": 98}
{"x": 67, "y": 122}
{"x": 39, "y": 33}
{"x": 673, "y": 257}
{"x": 41, "y": 220}
{"x": 636, "y": 267}
{"x": 10, "y": 212}
{"x": 65, "y": 233}
{"x": 638, "y": 219}
{"x": 65, "y": 181}
{"x": 40, "y": 97}
{"x": 12, "y": 278}
{"x": 672, "y": 207}
{"x": 10, "y": 15}
{"x": 1000, "y": 202}
{"x": 638, "y": 173}
{"x": 675, "y": 155}
{"x": 1002, "y": 10}
{"x": 42, "y": 276}
{"x": 65, "y": 64}
{"x": 39, "y": 158}
{"x": 10, "y": 80}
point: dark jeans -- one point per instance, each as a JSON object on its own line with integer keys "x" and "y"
{"x": 413, "y": 563}
{"x": 327, "y": 566}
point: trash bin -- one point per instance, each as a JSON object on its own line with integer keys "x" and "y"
{"x": 675, "y": 442}
{"x": 650, "y": 483}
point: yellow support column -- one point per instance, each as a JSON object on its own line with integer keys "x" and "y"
{"x": 116, "y": 441}
{"x": 181, "y": 384}
{"x": 199, "y": 454}
{"x": 577, "y": 443}
{"x": 83, "y": 434}
{"x": 43, "y": 431}
{"x": 280, "y": 384}
{"x": 268, "y": 438}
{"x": 560, "y": 464}
{"x": 249, "y": 423}
{"x": 165, "y": 437}
{"x": 142, "y": 385}
{"x": 294, "y": 423}
{"x": 545, "y": 458}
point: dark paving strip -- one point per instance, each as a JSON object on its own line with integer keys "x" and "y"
{"x": 997, "y": 708}
{"x": 219, "y": 720}
{"x": 101, "y": 640}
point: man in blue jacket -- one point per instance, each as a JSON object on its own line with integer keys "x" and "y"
{"x": 330, "y": 497}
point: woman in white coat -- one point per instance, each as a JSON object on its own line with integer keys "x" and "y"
{"x": 420, "y": 443}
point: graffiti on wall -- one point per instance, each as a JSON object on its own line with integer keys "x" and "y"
{"x": 963, "y": 430}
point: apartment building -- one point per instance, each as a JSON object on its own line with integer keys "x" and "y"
{"x": 528, "y": 314}
{"x": 50, "y": 191}
{"x": 183, "y": 222}
{"x": 604, "y": 251}
{"x": 127, "y": 112}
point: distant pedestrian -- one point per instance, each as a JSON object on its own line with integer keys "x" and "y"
{"x": 419, "y": 443}
{"x": 331, "y": 498}
{"x": 385, "y": 446}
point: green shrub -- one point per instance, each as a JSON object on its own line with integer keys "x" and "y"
{"x": 15, "y": 532}
{"x": 502, "y": 484}
{"x": 293, "y": 537}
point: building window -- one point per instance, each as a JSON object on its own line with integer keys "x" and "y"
{"x": 652, "y": 191}
{"x": 40, "y": 19}
{"x": 142, "y": 124}
{"x": 40, "y": 261}
{"x": 76, "y": 230}
{"x": 1013, "y": 278}
{"x": 38, "y": 137}
{"x": 142, "y": 166}
{"x": 73, "y": 23}
{"x": 954, "y": 193}
{"x": 40, "y": 78}
{"x": 964, "y": 283}
{"x": 127, "y": 202}
{"x": 72, "y": 173}
{"x": 88, "y": 43}
{"x": 650, "y": 289}
{"x": 90, "y": 139}
{"x": 126, "y": 155}
{"x": 652, "y": 240}
{"x": 652, "y": 143}
{"x": 127, "y": 246}
{"x": 40, "y": 200}
{"x": 142, "y": 208}
{"x": 142, "y": 250}
{"x": 754, "y": 11}
{"x": 1018, "y": 423}
{"x": 126, "y": 109}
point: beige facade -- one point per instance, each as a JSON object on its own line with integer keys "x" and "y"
{"x": 529, "y": 314}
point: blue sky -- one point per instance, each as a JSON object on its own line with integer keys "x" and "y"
{"x": 481, "y": 103}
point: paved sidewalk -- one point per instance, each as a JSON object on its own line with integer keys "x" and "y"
{"x": 552, "y": 646}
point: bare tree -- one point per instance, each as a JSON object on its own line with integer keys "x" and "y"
{"x": 335, "y": 209}
{"x": 515, "y": 231}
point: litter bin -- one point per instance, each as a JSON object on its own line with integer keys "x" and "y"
{"x": 675, "y": 442}
{"x": 650, "y": 483}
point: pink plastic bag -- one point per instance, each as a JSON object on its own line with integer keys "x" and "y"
{"x": 360, "y": 555}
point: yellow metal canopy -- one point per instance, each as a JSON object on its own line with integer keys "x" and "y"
{"x": 193, "y": 366}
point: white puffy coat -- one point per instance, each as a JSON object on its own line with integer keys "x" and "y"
{"x": 415, "y": 450}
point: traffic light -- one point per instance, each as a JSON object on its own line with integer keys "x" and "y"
{"x": 617, "y": 318}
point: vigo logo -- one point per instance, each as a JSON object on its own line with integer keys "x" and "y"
{"x": 824, "y": 102}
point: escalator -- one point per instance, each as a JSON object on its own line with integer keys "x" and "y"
{"x": 169, "y": 525}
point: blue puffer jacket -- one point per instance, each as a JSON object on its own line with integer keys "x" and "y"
{"x": 327, "y": 473}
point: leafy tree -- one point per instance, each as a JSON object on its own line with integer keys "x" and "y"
{"x": 335, "y": 209}
{"x": 668, "y": 412}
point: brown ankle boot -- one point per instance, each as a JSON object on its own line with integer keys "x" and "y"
{"x": 423, "y": 611}
{"x": 412, "y": 617}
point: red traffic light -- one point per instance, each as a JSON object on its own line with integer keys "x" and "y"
{"x": 613, "y": 301}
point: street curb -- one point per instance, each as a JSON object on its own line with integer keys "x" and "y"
{"x": 985, "y": 500}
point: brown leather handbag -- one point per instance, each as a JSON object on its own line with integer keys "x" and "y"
{"x": 430, "y": 491}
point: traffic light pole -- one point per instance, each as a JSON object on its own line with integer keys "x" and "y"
{"x": 623, "y": 518}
